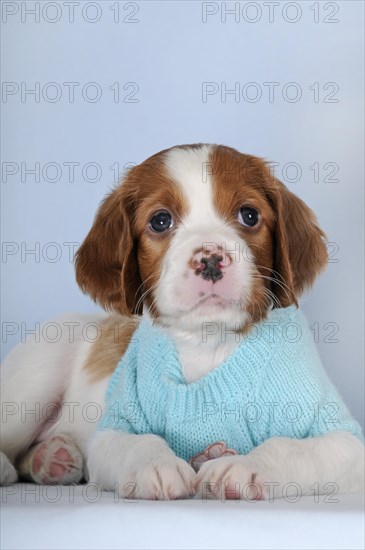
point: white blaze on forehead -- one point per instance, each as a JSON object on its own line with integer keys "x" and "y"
{"x": 177, "y": 292}
{"x": 191, "y": 169}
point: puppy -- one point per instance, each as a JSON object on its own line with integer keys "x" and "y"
{"x": 204, "y": 377}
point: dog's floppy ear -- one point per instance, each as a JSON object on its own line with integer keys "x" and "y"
{"x": 299, "y": 245}
{"x": 106, "y": 262}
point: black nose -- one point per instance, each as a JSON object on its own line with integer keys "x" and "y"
{"x": 211, "y": 271}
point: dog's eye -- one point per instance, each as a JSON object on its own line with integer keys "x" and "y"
{"x": 161, "y": 221}
{"x": 248, "y": 216}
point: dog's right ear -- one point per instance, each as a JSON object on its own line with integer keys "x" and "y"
{"x": 300, "y": 247}
{"x": 106, "y": 262}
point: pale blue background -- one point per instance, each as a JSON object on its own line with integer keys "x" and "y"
{"x": 169, "y": 52}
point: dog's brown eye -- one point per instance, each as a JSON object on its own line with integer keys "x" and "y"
{"x": 161, "y": 221}
{"x": 248, "y": 216}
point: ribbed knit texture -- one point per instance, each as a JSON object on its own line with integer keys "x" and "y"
{"x": 272, "y": 385}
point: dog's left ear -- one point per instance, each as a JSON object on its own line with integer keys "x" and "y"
{"x": 106, "y": 262}
{"x": 299, "y": 245}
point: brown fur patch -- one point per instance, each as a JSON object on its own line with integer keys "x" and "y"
{"x": 119, "y": 262}
{"x": 116, "y": 333}
{"x": 287, "y": 244}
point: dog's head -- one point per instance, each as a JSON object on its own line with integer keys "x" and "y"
{"x": 201, "y": 233}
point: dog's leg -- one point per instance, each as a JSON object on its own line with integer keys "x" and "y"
{"x": 138, "y": 466}
{"x": 284, "y": 467}
{"x": 8, "y": 473}
{"x": 32, "y": 386}
{"x": 34, "y": 379}
{"x": 56, "y": 460}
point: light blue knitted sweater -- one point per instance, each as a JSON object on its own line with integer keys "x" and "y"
{"x": 272, "y": 385}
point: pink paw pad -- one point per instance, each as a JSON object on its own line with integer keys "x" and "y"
{"x": 57, "y": 461}
{"x": 38, "y": 459}
{"x": 215, "y": 450}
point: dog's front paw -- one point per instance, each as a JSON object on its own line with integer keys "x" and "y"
{"x": 232, "y": 477}
{"x": 164, "y": 477}
{"x": 138, "y": 467}
{"x": 8, "y": 473}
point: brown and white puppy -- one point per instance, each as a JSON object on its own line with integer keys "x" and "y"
{"x": 196, "y": 233}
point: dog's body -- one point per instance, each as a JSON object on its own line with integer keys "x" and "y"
{"x": 195, "y": 235}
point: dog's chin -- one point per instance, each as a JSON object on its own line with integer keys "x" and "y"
{"x": 213, "y": 301}
{"x": 210, "y": 309}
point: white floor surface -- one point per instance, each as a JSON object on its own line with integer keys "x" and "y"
{"x": 81, "y": 517}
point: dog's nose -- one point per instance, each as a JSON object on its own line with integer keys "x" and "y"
{"x": 209, "y": 265}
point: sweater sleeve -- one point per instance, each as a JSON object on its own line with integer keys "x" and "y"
{"x": 332, "y": 415}
{"x": 305, "y": 402}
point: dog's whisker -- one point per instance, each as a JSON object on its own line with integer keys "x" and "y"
{"x": 275, "y": 281}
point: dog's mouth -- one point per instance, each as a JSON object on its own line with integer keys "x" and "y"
{"x": 211, "y": 301}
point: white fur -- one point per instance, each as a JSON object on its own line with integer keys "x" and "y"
{"x": 190, "y": 169}
{"x": 35, "y": 375}
{"x": 200, "y": 352}
{"x": 284, "y": 467}
{"x": 138, "y": 466}
{"x": 8, "y": 474}
{"x": 38, "y": 374}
